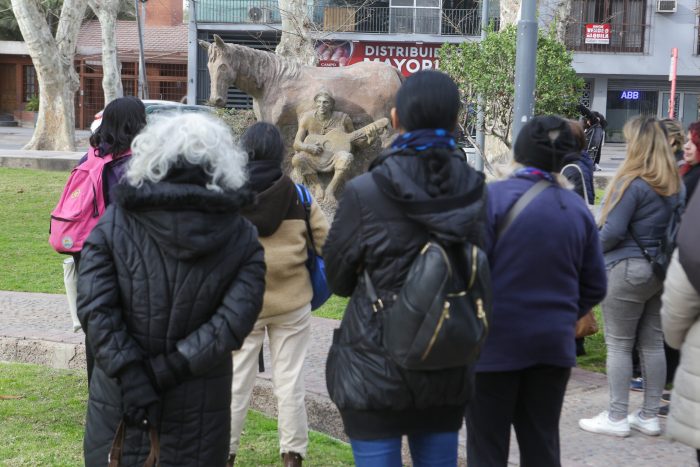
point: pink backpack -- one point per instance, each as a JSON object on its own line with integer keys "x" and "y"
{"x": 81, "y": 205}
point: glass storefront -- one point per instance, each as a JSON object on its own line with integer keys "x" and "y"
{"x": 625, "y": 104}
{"x": 686, "y": 106}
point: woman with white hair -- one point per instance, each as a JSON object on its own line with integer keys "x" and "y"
{"x": 171, "y": 281}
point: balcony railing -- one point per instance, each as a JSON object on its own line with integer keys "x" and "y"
{"x": 363, "y": 19}
{"x": 622, "y": 37}
{"x": 392, "y": 20}
{"x": 238, "y": 11}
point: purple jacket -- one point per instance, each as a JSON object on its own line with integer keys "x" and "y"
{"x": 547, "y": 271}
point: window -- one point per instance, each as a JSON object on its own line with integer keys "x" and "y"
{"x": 625, "y": 22}
{"x": 29, "y": 83}
{"x": 415, "y": 16}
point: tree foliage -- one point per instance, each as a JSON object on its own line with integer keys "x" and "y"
{"x": 487, "y": 68}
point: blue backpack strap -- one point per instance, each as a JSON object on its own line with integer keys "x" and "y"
{"x": 305, "y": 198}
{"x": 304, "y": 195}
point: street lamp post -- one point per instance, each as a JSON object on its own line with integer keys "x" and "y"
{"x": 525, "y": 57}
{"x": 480, "y": 137}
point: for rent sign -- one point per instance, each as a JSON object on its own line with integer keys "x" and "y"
{"x": 597, "y": 34}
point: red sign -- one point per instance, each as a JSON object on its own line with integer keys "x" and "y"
{"x": 597, "y": 34}
{"x": 407, "y": 57}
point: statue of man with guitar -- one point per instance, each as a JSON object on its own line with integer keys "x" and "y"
{"x": 323, "y": 143}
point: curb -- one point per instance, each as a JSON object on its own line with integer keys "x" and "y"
{"x": 61, "y": 162}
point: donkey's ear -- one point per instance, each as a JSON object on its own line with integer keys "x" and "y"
{"x": 219, "y": 41}
{"x": 204, "y": 44}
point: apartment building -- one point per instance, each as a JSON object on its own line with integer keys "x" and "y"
{"x": 622, "y": 48}
{"x": 403, "y": 33}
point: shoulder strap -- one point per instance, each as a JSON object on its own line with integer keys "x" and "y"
{"x": 583, "y": 179}
{"x": 305, "y": 198}
{"x": 645, "y": 252}
{"x": 521, "y": 204}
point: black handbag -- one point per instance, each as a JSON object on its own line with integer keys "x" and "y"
{"x": 440, "y": 316}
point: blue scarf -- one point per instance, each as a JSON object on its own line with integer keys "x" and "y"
{"x": 420, "y": 140}
{"x": 533, "y": 173}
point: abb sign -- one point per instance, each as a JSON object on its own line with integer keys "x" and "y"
{"x": 408, "y": 58}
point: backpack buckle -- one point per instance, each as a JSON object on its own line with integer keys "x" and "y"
{"x": 378, "y": 305}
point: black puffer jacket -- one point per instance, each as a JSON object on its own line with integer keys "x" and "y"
{"x": 171, "y": 268}
{"x": 381, "y": 223}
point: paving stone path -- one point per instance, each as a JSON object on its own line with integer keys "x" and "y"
{"x": 33, "y": 324}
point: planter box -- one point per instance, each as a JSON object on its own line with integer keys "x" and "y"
{"x": 25, "y": 118}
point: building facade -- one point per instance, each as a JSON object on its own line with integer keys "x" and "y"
{"x": 622, "y": 48}
{"x": 403, "y": 33}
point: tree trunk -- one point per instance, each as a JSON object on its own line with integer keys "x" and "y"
{"x": 53, "y": 60}
{"x": 296, "y": 42}
{"x": 510, "y": 11}
{"x": 106, "y": 11}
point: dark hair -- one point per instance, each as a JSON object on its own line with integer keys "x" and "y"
{"x": 122, "y": 120}
{"x": 263, "y": 142}
{"x": 428, "y": 99}
{"x": 601, "y": 119}
{"x": 579, "y": 135}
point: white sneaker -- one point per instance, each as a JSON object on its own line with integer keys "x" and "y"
{"x": 648, "y": 426}
{"x": 602, "y": 424}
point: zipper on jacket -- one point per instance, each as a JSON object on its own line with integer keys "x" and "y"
{"x": 445, "y": 315}
{"x": 481, "y": 313}
{"x": 473, "y": 277}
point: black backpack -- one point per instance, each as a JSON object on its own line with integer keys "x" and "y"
{"x": 440, "y": 316}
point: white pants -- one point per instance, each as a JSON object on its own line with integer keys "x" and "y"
{"x": 70, "y": 280}
{"x": 289, "y": 340}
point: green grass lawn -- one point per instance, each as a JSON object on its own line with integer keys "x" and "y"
{"x": 44, "y": 425}
{"x": 27, "y": 198}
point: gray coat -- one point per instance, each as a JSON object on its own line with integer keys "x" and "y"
{"x": 680, "y": 318}
{"x": 646, "y": 212}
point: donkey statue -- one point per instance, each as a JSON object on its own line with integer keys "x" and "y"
{"x": 283, "y": 89}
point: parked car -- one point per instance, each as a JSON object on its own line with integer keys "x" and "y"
{"x": 175, "y": 107}
{"x": 146, "y": 102}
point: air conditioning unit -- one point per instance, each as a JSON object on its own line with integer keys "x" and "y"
{"x": 259, "y": 14}
{"x": 666, "y": 6}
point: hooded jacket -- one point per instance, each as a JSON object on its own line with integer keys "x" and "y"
{"x": 280, "y": 218}
{"x": 680, "y": 318}
{"x": 170, "y": 269}
{"x": 384, "y": 218}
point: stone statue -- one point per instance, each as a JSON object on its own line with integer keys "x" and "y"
{"x": 323, "y": 143}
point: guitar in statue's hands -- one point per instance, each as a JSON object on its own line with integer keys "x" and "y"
{"x": 337, "y": 140}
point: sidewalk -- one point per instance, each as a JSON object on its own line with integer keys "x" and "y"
{"x": 35, "y": 328}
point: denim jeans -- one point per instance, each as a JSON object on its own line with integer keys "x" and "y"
{"x": 631, "y": 313}
{"x": 427, "y": 450}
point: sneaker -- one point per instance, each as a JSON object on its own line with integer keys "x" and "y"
{"x": 663, "y": 411}
{"x": 597, "y": 168}
{"x": 602, "y": 424}
{"x": 666, "y": 397}
{"x": 637, "y": 384}
{"x": 648, "y": 426}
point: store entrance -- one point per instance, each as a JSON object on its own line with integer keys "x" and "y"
{"x": 625, "y": 104}
{"x": 686, "y": 107}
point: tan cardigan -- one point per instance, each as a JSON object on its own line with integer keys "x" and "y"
{"x": 680, "y": 318}
{"x": 287, "y": 283}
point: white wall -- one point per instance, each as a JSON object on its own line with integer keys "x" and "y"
{"x": 667, "y": 30}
